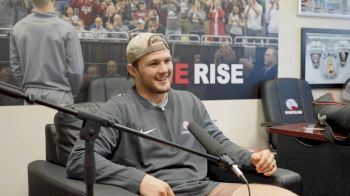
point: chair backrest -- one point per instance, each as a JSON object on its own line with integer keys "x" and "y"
{"x": 61, "y": 136}
{"x": 285, "y": 101}
{"x": 101, "y": 89}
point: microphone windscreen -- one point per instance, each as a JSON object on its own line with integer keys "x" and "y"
{"x": 204, "y": 138}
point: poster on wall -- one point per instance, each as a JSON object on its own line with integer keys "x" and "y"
{"x": 324, "y": 57}
{"x": 220, "y": 50}
{"x": 324, "y": 8}
{"x": 215, "y": 71}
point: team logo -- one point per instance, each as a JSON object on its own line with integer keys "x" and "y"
{"x": 185, "y": 128}
{"x": 293, "y": 107}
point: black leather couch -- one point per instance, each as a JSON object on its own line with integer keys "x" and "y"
{"x": 48, "y": 177}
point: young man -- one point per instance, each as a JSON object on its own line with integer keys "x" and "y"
{"x": 151, "y": 106}
{"x": 46, "y": 56}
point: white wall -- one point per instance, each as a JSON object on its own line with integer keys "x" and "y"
{"x": 22, "y": 127}
{"x": 22, "y": 140}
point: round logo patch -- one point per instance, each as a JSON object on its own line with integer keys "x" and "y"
{"x": 292, "y": 104}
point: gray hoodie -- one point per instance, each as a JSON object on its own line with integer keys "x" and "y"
{"x": 45, "y": 52}
{"x": 123, "y": 159}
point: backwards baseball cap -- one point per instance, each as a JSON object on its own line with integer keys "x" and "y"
{"x": 143, "y": 44}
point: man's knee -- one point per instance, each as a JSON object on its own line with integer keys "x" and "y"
{"x": 263, "y": 189}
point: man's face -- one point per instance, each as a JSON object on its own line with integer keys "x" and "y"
{"x": 98, "y": 22}
{"x": 153, "y": 26}
{"x": 92, "y": 73}
{"x": 269, "y": 58}
{"x": 117, "y": 21}
{"x": 153, "y": 73}
{"x": 112, "y": 67}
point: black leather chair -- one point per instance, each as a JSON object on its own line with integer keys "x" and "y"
{"x": 285, "y": 101}
{"x": 48, "y": 177}
{"x": 101, "y": 89}
{"x": 323, "y": 166}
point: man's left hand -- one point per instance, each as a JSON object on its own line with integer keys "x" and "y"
{"x": 264, "y": 162}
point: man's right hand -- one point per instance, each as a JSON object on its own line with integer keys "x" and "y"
{"x": 154, "y": 187}
{"x": 247, "y": 63}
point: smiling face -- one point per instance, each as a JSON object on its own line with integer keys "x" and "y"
{"x": 69, "y": 11}
{"x": 153, "y": 74}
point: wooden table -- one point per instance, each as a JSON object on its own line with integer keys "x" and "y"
{"x": 302, "y": 130}
{"x": 323, "y": 166}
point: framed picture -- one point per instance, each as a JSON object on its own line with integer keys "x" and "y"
{"x": 325, "y": 56}
{"x": 324, "y": 8}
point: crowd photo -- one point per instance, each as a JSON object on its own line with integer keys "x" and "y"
{"x": 220, "y": 22}
{"x": 100, "y": 18}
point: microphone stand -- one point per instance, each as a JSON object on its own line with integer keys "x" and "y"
{"x": 90, "y": 131}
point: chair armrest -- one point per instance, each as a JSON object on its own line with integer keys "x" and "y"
{"x": 45, "y": 178}
{"x": 283, "y": 178}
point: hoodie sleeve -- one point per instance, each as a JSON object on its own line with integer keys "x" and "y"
{"x": 14, "y": 60}
{"x": 107, "y": 171}
{"x": 238, "y": 154}
{"x": 74, "y": 61}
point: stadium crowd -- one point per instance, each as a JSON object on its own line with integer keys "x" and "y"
{"x": 100, "y": 18}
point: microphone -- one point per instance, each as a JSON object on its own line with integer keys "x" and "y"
{"x": 214, "y": 147}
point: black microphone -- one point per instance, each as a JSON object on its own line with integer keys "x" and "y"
{"x": 214, "y": 147}
{"x": 12, "y": 91}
